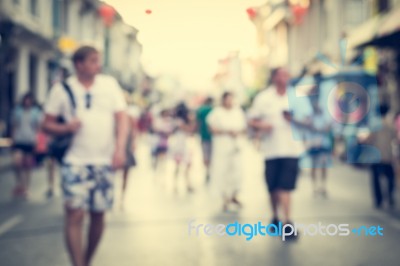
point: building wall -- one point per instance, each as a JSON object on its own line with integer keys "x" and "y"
{"x": 77, "y": 26}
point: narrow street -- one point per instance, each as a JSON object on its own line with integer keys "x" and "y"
{"x": 152, "y": 229}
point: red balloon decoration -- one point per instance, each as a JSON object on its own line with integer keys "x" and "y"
{"x": 299, "y": 12}
{"x": 251, "y": 12}
{"x": 107, "y": 13}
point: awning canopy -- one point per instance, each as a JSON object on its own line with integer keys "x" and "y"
{"x": 387, "y": 34}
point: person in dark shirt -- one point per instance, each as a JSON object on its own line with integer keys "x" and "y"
{"x": 205, "y": 134}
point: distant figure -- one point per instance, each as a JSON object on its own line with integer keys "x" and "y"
{"x": 228, "y": 125}
{"x": 205, "y": 134}
{"x": 133, "y": 116}
{"x": 181, "y": 144}
{"x": 163, "y": 127}
{"x": 26, "y": 122}
{"x": 383, "y": 140}
{"x": 319, "y": 144}
{"x": 145, "y": 121}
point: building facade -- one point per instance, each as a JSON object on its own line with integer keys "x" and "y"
{"x": 39, "y": 36}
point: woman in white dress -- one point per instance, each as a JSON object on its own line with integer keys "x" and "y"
{"x": 228, "y": 125}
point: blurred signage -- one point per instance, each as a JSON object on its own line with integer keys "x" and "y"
{"x": 67, "y": 44}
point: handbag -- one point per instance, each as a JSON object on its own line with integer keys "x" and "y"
{"x": 60, "y": 144}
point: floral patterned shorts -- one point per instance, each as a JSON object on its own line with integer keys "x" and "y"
{"x": 88, "y": 187}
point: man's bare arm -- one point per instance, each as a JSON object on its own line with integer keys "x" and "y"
{"x": 51, "y": 126}
{"x": 122, "y": 126}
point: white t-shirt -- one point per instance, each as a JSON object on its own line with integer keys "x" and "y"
{"x": 227, "y": 119}
{"x": 282, "y": 142}
{"x": 224, "y": 119}
{"x": 95, "y": 140}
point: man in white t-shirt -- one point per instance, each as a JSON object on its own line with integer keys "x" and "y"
{"x": 99, "y": 126}
{"x": 272, "y": 115}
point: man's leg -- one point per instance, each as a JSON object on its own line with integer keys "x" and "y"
{"x": 376, "y": 186}
{"x": 288, "y": 179}
{"x": 271, "y": 178}
{"x": 274, "y": 196}
{"x": 73, "y": 235}
{"x": 18, "y": 159}
{"x": 28, "y": 166}
{"x": 314, "y": 173}
{"x": 324, "y": 172}
{"x": 206, "y": 147}
{"x": 389, "y": 172}
{"x": 284, "y": 201}
{"x": 95, "y": 232}
{"x": 50, "y": 175}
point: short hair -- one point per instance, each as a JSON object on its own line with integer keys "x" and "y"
{"x": 28, "y": 96}
{"x": 384, "y": 109}
{"x": 82, "y": 53}
{"x": 209, "y": 101}
{"x": 272, "y": 74}
{"x": 226, "y": 95}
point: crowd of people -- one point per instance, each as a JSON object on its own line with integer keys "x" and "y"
{"x": 102, "y": 128}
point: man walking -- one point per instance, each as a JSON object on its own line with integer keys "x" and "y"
{"x": 99, "y": 126}
{"x": 205, "y": 134}
{"x": 271, "y": 116}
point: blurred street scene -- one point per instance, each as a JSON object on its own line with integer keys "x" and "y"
{"x": 180, "y": 113}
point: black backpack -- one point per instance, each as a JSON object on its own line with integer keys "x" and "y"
{"x": 60, "y": 144}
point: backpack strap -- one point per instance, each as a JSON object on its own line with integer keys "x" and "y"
{"x": 71, "y": 97}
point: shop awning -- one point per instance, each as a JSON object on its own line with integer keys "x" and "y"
{"x": 387, "y": 34}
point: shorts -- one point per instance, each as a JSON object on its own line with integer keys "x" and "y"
{"x": 159, "y": 150}
{"x": 88, "y": 187}
{"x": 206, "y": 147}
{"x": 315, "y": 151}
{"x": 24, "y": 148}
{"x": 281, "y": 174}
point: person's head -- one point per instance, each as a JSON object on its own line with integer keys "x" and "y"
{"x": 227, "y": 99}
{"x": 383, "y": 109}
{"x": 28, "y": 100}
{"x": 182, "y": 111}
{"x": 164, "y": 113}
{"x": 280, "y": 77}
{"x": 209, "y": 101}
{"x": 86, "y": 61}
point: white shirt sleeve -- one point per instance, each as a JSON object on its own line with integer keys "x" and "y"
{"x": 55, "y": 101}
{"x": 213, "y": 118}
{"x": 256, "y": 110}
{"x": 243, "y": 119}
{"x": 119, "y": 97}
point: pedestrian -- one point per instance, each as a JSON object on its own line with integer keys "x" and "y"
{"x": 319, "y": 144}
{"x": 133, "y": 112}
{"x": 181, "y": 144}
{"x": 26, "y": 121}
{"x": 228, "y": 126}
{"x": 383, "y": 141}
{"x": 145, "y": 121}
{"x": 205, "y": 134}
{"x": 99, "y": 125}
{"x": 271, "y": 114}
{"x": 44, "y": 158}
{"x": 163, "y": 127}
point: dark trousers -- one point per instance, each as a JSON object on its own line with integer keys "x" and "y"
{"x": 386, "y": 170}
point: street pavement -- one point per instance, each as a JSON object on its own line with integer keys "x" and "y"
{"x": 153, "y": 226}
